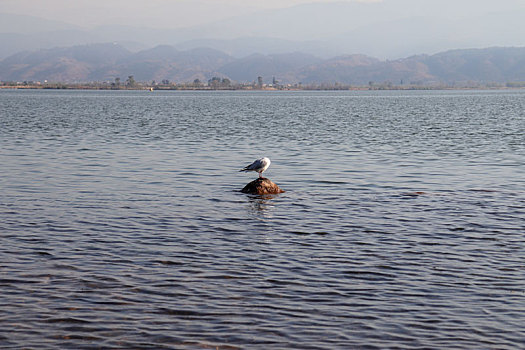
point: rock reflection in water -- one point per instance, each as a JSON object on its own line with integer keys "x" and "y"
{"x": 262, "y": 204}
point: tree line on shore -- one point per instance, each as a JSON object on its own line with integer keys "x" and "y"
{"x": 217, "y": 83}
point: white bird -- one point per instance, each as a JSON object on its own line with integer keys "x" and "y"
{"x": 259, "y": 166}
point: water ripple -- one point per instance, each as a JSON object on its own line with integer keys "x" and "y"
{"x": 122, "y": 224}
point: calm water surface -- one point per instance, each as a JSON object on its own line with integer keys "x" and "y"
{"x": 122, "y": 225}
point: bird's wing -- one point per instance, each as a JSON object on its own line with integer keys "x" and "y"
{"x": 254, "y": 165}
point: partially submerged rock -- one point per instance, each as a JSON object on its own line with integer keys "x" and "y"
{"x": 261, "y": 186}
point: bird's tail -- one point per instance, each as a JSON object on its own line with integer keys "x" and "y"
{"x": 244, "y": 169}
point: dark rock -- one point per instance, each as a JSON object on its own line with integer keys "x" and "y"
{"x": 261, "y": 186}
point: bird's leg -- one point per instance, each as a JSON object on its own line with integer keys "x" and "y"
{"x": 260, "y": 175}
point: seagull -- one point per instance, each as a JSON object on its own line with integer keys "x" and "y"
{"x": 259, "y": 166}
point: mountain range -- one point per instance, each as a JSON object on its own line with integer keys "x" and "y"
{"x": 105, "y": 62}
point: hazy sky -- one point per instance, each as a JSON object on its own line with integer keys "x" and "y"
{"x": 183, "y": 13}
{"x": 180, "y": 13}
{"x": 159, "y": 13}
{"x": 380, "y": 28}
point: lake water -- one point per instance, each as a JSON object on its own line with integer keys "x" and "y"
{"x": 122, "y": 225}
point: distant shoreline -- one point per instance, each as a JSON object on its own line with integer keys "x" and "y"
{"x": 311, "y": 87}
